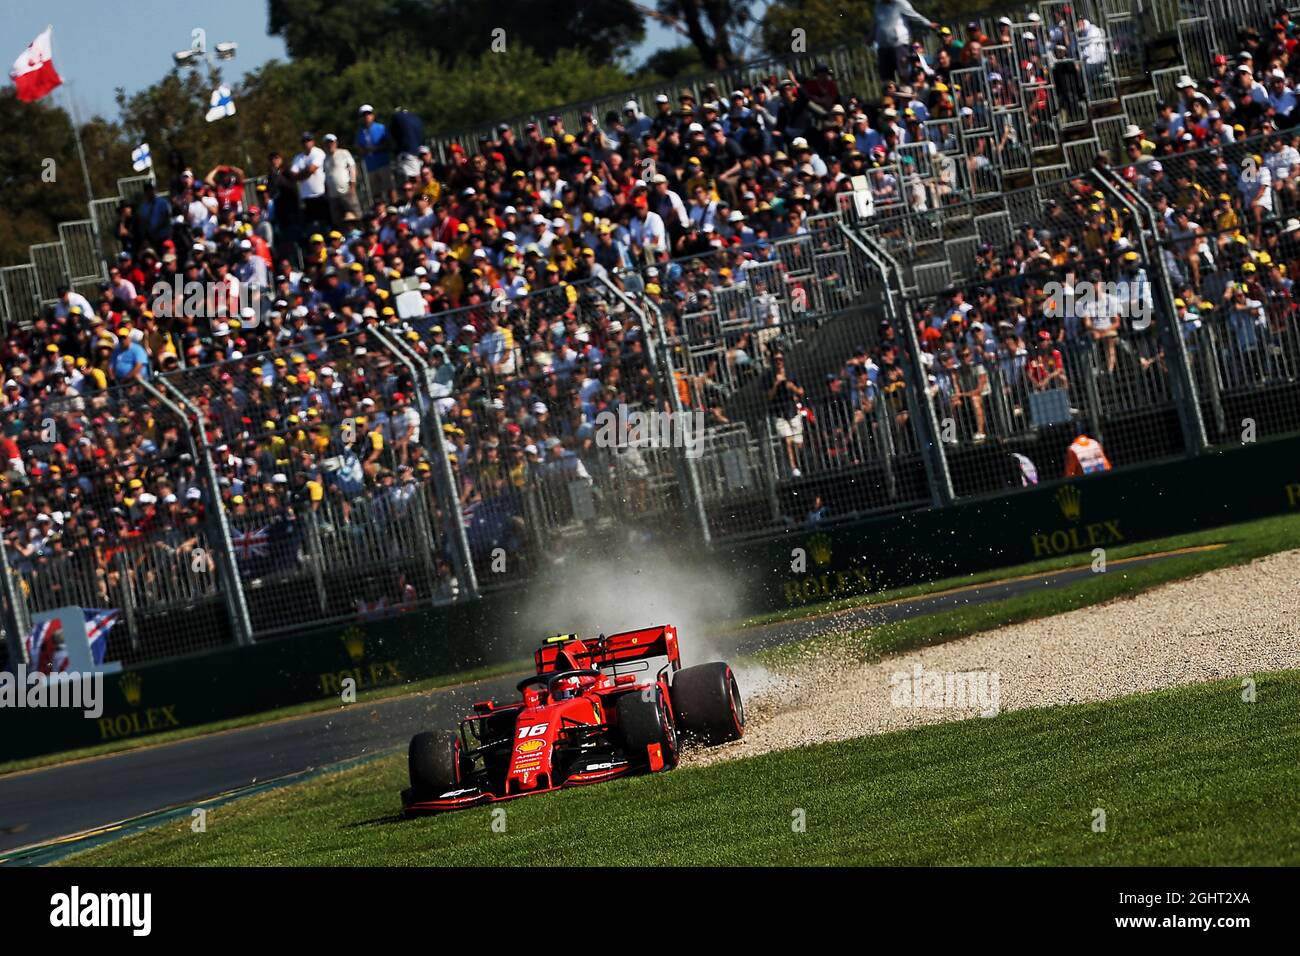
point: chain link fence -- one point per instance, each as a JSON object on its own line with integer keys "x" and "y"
{"x": 325, "y": 471}
{"x": 106, "y": 507}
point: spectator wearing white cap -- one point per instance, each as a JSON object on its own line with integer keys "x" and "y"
{"x": 635, "y": 123}
{"x": 340, "y": 182}
{"x": 738, "y": 114}
{"x": 1250, "y": 95}
{"x": 1188, "y": 93}
{"x": 1281, "y": 97}
{"x": 251, "y": 269}
{"x": 668, "y": 204}
{"x": 308, "y": 168}
{"x": 372, "y": 145}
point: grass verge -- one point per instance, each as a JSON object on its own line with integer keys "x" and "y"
{"x": 1189, "y": 776}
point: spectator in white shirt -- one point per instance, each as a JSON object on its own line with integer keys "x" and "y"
{"x": 308, "y": 168}
{"x": 635, "y": 123}
{"x": 340, "y": 171}
{"x": 667, "y": 203}
{"x": 1281, "y": 97}
{"x": 68, "y": 299}
{"x": 704, "y": 208}
{"x": 647, "y": 228}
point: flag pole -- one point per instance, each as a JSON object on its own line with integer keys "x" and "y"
{"x": 85, "y": 177}
{"x": 76, "y": 134}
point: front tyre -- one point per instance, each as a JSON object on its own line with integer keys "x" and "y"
{"x": 643, "y": 721}
{"x": 433, "y": 760}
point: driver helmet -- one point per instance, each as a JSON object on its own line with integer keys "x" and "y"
{"x": 567, "y": 688}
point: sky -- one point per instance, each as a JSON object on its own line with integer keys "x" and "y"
{"x": 100, "y": 45}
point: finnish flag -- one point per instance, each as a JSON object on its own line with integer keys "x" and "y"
{"x": 222, "y": 104}
{"x": 140, "y": 158}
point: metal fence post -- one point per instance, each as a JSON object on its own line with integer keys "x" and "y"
{"x": 314, "y": 558}
{"x": 936, "y": 461}
{"x": 16, "y": 620}
{"x": 1186, "y": 397}
{"x": 233, "y": 592}
{"x": 456, "y": 532}
{"x": 652, "y": 323}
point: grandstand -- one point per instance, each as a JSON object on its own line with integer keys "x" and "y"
{"x": 1071, "y": 214}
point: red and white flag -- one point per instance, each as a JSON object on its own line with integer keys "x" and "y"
{"x": 33, "y": 72}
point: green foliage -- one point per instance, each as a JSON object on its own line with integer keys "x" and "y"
{"x": 672, "y": 62}
{"x": 824, "y": 22}
{"x": 342, "y": 34}
{"x": 31, "y": 203}
{"x": 832, "y": 22}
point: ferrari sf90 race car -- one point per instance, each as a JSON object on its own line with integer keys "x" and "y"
{"x": 595, "y": 709}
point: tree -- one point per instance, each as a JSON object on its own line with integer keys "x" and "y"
{"x": 824, "y": 23}
{"x": 345, "y": 33}
{"x": 829, "y": 23}
{"x": 674, "y": 61}
{"x": 40, "y": 174}
{"x": 709, "y": 24}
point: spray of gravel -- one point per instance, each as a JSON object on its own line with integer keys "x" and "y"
{"x": 624, "y": 592}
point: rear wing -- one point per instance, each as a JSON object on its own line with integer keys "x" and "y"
{"x": 568, "y": 652}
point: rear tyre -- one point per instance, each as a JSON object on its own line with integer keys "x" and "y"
{"x": 707, "y": 704}
{"x": 643, "y": 721}
{"x": 433, "y": 759}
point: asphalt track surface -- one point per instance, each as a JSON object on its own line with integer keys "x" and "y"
{"x": 51, "y": 803}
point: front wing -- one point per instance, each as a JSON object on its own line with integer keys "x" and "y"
{"x": 474, "y": 796}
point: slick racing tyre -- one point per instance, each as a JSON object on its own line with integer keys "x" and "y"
{"x": 707, "y": 704}
{"x": 643, "y": 720}
{"x": 434, "y": 762}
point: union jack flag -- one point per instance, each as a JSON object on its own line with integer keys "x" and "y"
{"x": 45, "y": 646}
{"x": 98, "y": 623}
{"x": 254, "y": 543}
{"x": 369, "y": 610}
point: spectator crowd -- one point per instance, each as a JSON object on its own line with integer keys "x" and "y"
{"x": 543, "y": 276}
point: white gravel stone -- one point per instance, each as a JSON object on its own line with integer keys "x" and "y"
{"x": 1231, "y": 622}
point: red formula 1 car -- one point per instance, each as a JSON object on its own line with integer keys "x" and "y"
{"x": 595, "y": 710}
